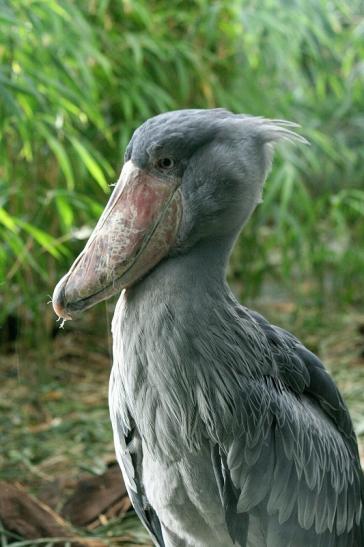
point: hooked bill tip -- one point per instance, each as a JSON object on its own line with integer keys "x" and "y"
{"x": 59, "y": 301}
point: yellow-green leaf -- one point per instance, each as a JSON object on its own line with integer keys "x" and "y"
{"x": 91, "y": 165}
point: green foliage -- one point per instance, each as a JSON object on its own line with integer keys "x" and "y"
{"x": 76, "y": 78}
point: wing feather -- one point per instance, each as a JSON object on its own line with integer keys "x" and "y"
{"x": 296, "y": 453}
{"x": 129, "y": 459}
{"x": 128, "y": 449}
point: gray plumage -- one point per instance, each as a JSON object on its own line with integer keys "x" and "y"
{"x": 227, "y": 429}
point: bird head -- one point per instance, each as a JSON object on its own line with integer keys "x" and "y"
{"x": 188, "y": 175}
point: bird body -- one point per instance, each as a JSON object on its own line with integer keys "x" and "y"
{"x": 202, "y": 374}
{"x": 227, "y": 429}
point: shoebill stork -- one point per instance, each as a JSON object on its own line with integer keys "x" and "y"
{"x": 227, "y": 429}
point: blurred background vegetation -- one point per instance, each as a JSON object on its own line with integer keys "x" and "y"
{"x": 77, "y": 77}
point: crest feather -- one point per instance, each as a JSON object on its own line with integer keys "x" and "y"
{"x": 272, "y": 131}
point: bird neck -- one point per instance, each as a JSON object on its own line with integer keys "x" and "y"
{"x": 196, "y": 274}
{"x": 165, "y": 329}
{"x": 177, "y": 334}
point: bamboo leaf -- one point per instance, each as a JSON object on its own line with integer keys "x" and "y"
{"x": 61, "y": 155}
{"x": 90, "y": 164}
{"x": 45, "y": 240}
{"x": 65, "y": 211}
{"x": 7, "y": 220}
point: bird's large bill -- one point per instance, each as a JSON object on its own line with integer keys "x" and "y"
{"x": 135, "y": 231}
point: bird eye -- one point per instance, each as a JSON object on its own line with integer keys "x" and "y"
{"x": 165, "y": 163}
